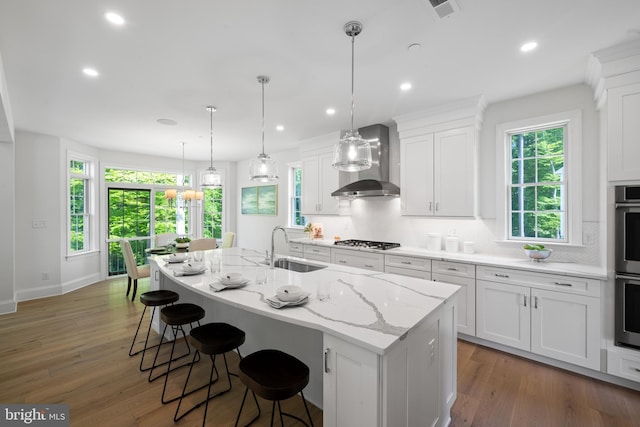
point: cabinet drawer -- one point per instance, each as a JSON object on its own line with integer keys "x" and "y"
{"x": 623, "y": 365}
{"x": 423, "y": 264}
{"x": 454, "y": 268}
{"x": 323, "y": 251}
{"x": 367, "y": 261}
{"x": 420, "y": 274}
{"x": 296, "y": 247}
{"x": 569, "y": 284}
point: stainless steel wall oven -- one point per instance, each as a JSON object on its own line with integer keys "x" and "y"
{"x": 627, "y": 261}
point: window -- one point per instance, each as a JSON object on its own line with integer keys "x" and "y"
{"x": 542, "y": 163}
{"x": 80, "y": 184}
{"x": 295, "y": 196}
{"x": 212, "y": 212}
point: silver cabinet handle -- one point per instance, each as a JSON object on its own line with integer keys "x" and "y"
{"x": 562, "y": 284}
{"x": 368, "y": 266}
{"x": 506, "y": 276}
{"x": 341, "y": 261}
{"x": 430, "y": 206}
{"x": 437, "y": 204}
{"x": 636, "y": 369}
{"x": 156, "y": 275}
{"x": 315, "y": 250}
{"x": 535, "y": 302}
{"x": 405, "y": 262}
{"x": 525, "y": 300}
{"x": 452, "y": 269}
{"x": 326, "y": 361}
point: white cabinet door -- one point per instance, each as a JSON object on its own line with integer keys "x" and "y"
{"x": 566, "y": 327}
{"x": 328, "y": 183}
{"x": 319, "y": 180}
{"x": 503, "y": 314}
{"x": 416, "y": 176}
{"x": 310, "y": 185}
{"x": 466, "y": 300}
{"x": 454, "y": 172}
{"x": 623, "y": 130}
{"x": 350, "y": 388}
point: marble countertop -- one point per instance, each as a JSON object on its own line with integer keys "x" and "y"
{"x": 559, "y": 268}
{"x": 370, "y": 309}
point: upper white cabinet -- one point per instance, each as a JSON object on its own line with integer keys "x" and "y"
{"x": 624, "y": 132}
{"x": 438, "y": 160}
{"x": 319, "y": 178}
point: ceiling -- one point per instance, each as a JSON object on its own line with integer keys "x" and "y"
{"x": 171, "y": 59}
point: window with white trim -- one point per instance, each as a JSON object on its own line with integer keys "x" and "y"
{"x": 541, "y": 184}
{"x": 296, "y": 219}
{"x": 80, "y": 189}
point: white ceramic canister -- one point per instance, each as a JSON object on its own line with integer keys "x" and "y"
{"x": 452, "y": 244}
{"x": 469, "y": 248}
{"x": 434, "y": 241}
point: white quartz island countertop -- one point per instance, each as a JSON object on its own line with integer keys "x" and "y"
{"x": 369, "y": 309}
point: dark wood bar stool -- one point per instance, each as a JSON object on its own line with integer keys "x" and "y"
{"x": 273, "y": 375}
{"x": 176, "y": 316}
{"x": 212, "y": 339}
{"x": 151, "y": 299}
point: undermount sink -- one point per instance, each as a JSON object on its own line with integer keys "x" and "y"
{"x": 298, "y": 266}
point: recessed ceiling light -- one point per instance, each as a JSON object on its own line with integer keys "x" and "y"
{"x": 405, "y": 86}
{"x": 330, "y": 111}
{"x": 90, "y": 72}
{"x": 167, "y": 122}
{"x": 529, "y": 46}
{"x": 114, "y": 18}
{"x": 279, "y": 128}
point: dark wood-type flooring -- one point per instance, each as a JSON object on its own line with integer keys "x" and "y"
{"x": 73, "y": 349}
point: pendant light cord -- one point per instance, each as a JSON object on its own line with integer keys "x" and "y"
{"x": 353, "y": 39}
{"x": 211, "y": 134}
{"x": 262, "y": 82}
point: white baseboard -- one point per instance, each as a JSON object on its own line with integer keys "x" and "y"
{"x": 55, "y": 290}
{"x": 8, "y": 306}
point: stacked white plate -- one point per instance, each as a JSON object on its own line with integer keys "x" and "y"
{"x": 229, "y": 281}
{"x": 289, "y": 295}
{"x": 175, "y": 258}
{"x": 191, "y": 269}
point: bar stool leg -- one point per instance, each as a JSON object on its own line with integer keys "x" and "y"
{"x": 246, "y": 390}
{"x": 171, "y": 358}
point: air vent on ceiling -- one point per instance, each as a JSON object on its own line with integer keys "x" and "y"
{"x": 444, "y": 8}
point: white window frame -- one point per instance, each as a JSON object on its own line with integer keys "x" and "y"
{"x": 573, "y": 173}
{"x": 223, "y": 175}
{"x": 291, "y": 185}
{"x": 90, "y": 202}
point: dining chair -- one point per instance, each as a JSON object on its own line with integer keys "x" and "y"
{"x": 165, "y": 238}
{"x": 202, "y": 244}
{"x": 227, "y": 239}
{"x": 134, "y": 271}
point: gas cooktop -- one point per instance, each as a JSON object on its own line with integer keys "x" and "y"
{"x": 367, "y": 244}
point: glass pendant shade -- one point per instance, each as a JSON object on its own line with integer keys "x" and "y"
{"x": 352, "y": 153}
{"x": 211, "y": 178}
{"x": 263, "y": 169}
{"x": 170, "y": 193}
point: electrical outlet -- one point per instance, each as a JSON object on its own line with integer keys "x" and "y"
{"x": 45, "y": 276}
{"x": 587, "y": 238}
{"x": 39, "y": 223}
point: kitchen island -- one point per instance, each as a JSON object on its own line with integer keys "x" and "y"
{"x": 381, "y": 350}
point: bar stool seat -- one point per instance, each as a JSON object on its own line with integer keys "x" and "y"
{"x": 151, "y": 299}
{"x": 176, "y": 316}
{"x": 273, "y": 375}
{"x": 211, "y": 339}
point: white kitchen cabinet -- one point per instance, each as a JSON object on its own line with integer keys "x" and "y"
{"x": 623, "y": 129}
{"x": 319, "y": 180}
{"x": 554, "y": 316}
{"x": 408, "y": 266}
{"x": 359, "y": 259}
{"x": 463, "y": 275}
{"x": 296, "y": 249}
{"x": 317, "y": 253}
{"x": 437, "y": 173}
{"x": 414, "y": 384}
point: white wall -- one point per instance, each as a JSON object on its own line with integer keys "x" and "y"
{"x": 380, "y": 219}
{"x": 7, "y": 227}
{"x": 254, "y": 231}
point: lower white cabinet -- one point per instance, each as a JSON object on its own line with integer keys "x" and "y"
{"x": 296, "y": 249}
{"x": 408, "y": 266}
{"x": 463, "y": 275}
{"x": 561, "y": 322}
{"x": 365, "y": 260}
{"x": 412, "y": 385}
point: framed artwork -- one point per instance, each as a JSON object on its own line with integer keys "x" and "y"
{"x": 260, "y": 200}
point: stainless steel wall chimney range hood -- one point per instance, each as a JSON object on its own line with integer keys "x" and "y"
{"x": 371, "y": 182}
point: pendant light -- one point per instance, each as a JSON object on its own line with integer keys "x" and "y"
{"x": 264, "y": 168}
{"x": 352, "y": 153}
{"x": 211, "y": 178}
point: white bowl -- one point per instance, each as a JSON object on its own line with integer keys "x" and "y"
{"x": 193, "y": 267}
{"x": 177, "y": 257}
{"x": 538, "y": 255}
{"x": 290, "y": 293}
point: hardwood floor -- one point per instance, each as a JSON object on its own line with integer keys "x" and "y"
{"x": 73, "y": 349}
